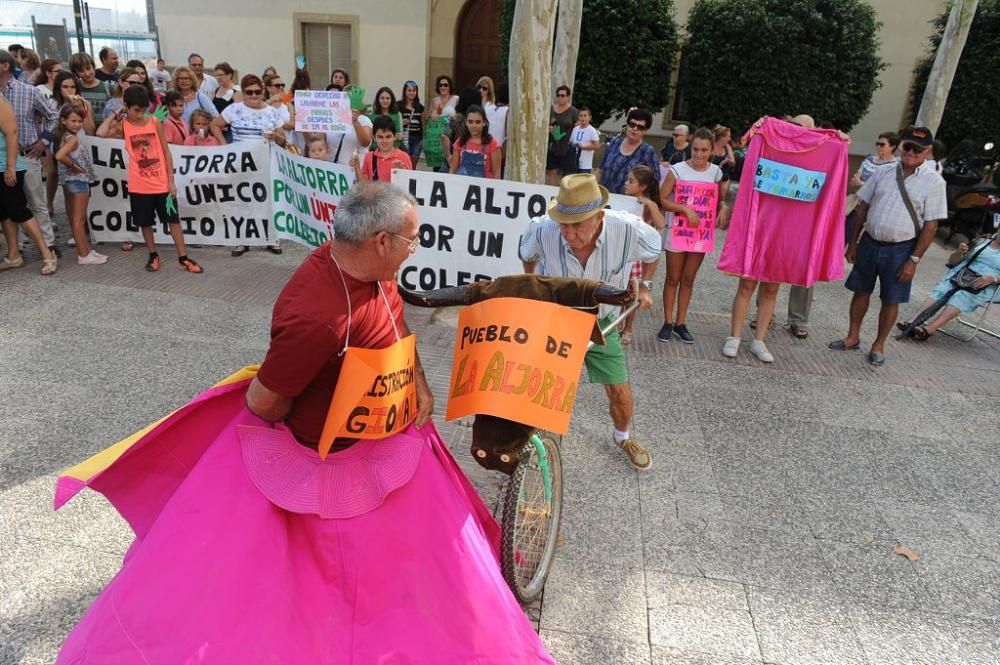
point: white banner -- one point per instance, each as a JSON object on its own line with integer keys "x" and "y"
{"x": 222, "y": 191}
{"x": 470, "y": 227}
{"x": 305, "y": 194}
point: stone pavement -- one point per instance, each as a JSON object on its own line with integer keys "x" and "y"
{"x": 762, "y": 534}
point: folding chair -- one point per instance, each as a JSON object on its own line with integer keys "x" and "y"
{"x": 978, "y": 325}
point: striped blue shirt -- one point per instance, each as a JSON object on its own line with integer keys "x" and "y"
{"x": 623, "y": 240}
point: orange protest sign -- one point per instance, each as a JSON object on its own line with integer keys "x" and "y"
{"x": 375, "y": 395}
{"x": 519, "y": 359}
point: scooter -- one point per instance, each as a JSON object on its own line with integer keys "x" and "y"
{"x": 972, "y": 176}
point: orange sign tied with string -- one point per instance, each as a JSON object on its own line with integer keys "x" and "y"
{"x": 520, "y": 360}
{"x": 375, "y": 396}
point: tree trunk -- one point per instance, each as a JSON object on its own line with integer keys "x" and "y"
{"x": 945, "y": 63}
{"x": 530, "y": 74}
{"x": 567, "y": 43}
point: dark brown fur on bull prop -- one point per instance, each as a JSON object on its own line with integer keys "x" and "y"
{"x": 497, "y": 442}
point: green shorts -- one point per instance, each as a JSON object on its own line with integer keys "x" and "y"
{"x": 606, "y": 364}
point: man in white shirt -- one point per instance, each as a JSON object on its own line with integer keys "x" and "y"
{"x": 893, "y": 241}
{"x": 206, "y": 84}
{"x": 160, "y": 76}
{"x": 578, "y": 238}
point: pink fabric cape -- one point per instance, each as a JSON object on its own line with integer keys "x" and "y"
{"x": 408, "y": 572}
{"x": 777, "y": 239}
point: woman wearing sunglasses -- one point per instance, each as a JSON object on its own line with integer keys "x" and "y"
{"x": 626, "y": 152}
{"x": 253, "y": 119}
{"x": 278, "y": 100}
{"x": 446, "y": 97}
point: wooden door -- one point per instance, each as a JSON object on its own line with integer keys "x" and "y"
{"x": 477, "y": 43}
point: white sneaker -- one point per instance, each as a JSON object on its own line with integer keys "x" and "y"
{"x": 71, "y": 242}
{"x": 92, "y": 259}
{"x": 759, "y": 349}
{"x": 731, "y": 347}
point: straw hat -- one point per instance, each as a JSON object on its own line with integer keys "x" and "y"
{"x": 579, "y": 199}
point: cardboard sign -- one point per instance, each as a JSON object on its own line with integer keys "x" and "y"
{"x": 518, "y": 359}
{"x": 470, "y": 228}
{"x": 703, "y": 198}
{"x": 305, "y": 194}
{"x": 222, "y": 194}
{"x": 790, "y": 182}
{"x": 376, "y": 395}
{"x": 322, "y": 111}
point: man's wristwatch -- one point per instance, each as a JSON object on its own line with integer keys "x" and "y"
{"x": 646, "y": 284}
{"x": 915, "y": 259}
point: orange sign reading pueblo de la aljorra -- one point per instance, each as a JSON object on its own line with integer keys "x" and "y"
{"x": 519, "y": 359}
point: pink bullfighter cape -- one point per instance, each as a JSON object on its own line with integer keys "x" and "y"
{"x": 774, "y": 238}
{"x": 250, "y": 549}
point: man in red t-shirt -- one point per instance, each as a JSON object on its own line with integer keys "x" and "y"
{"x": 312, "y": 323}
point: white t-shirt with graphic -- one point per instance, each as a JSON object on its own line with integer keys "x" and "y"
{"x": 249, "y": 124}
{"x": 581, "y": 136}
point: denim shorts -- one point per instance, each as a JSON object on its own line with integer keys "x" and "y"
{"x": 77, "y": 186}
{"x": 881, "y": 261}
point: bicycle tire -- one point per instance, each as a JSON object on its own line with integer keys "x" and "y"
{"x": 527, "y": 548}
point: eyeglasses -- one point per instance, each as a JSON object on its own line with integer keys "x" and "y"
{"x": 632, "y": 124}
{"x": 915, "y": 148}
{"x": 679, "y": 135}
{"x": 253, "y": 92}
{"x": 483, "y": 87}
{"x": 561, "y": 94}
{"x": 279, "y": 86}
{"x": 881, "y": 144}
{"x": 133, "y": 82}
{"x": 442, "y": 84}
{"x": 412, "y": 244}
{"x": 409, "y": 84}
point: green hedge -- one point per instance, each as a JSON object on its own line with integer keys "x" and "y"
{"x": 749, "y": 58}
{"x": 627, "y": 54}
{"x": 971, "y": 109}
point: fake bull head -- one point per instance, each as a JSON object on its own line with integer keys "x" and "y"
{"x": 497, "y": 442}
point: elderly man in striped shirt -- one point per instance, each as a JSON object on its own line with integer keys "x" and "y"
{"x": 579, "y": 238}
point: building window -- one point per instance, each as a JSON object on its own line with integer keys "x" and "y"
{"x": 327, "y": 42}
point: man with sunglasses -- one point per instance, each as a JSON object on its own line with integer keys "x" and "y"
{"x": 895, "y": 223}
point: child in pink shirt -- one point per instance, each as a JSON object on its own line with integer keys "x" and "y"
{"x": 200, "y": 134}
{"x": 174, "y": 127}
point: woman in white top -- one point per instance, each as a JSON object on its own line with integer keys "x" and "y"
{"x": 445, "y": 98}
{"x": 253, "y": 119}
{"x": 228, "y": 92}
{"x": 682, "y": 266}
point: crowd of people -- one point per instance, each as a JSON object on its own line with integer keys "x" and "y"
{"x": 457, "y": 131}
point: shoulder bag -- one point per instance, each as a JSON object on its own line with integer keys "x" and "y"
{"x": 917, "y": 226}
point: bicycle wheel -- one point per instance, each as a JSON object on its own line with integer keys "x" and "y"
{"x": 531, "y": 519}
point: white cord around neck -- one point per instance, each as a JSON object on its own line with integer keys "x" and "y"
{"x": 347, "y": 294}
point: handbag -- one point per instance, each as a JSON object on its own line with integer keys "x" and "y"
{"x": 966, "y": 276}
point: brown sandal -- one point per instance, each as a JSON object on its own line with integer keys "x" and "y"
{"x": 49, "y": 266}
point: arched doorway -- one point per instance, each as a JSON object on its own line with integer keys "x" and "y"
{"x": 477, "y": 42}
